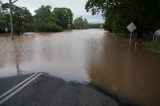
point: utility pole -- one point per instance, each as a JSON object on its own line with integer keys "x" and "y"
{"x": 11, "y": 17}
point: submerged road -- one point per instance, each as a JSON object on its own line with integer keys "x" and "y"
{"x": 47, "y": 90}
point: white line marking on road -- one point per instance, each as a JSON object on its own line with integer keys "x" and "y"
{"x": 16, "y": 86}
{"x": 30, "y": 79}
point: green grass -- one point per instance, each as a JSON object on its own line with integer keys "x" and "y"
{"x": 153, "y": 46}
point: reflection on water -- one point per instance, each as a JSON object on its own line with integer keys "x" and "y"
{"x": 85, "y": 56}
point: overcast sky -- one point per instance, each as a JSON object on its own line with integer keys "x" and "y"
{"x": 77, "y": 7}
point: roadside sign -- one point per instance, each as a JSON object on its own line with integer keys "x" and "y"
{"x": 131, "y": 27}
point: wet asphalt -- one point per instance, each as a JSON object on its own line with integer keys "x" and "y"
{"x": 8, "y": 82}
{"x": 47, "y": 90}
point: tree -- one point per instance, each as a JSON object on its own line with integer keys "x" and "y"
{"x": 45, "y": 21}
{"x": 80, "y": 23}
{"x": 119, "y": 13}
{"x": 64, "y": 17}
{"x": 43, "y": 12}
{"x": 2, "y": 22}
{"x": 96, "y": 25}
{"x": 22, "y": 18}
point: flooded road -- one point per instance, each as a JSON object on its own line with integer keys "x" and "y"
{"x": 92, "y": 55}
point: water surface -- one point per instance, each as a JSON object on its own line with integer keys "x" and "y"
{"x": 92, "y": 55}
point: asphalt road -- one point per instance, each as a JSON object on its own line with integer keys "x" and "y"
{"x": 50, "y": 91}
{"x": 8, "y": 82}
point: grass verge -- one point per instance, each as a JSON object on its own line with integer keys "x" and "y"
{"x": 152, "y": 47}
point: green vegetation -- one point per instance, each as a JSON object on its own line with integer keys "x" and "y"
{"x": 96, "y": 25}
{"x": 23, "y": 20}
{"x": 2, "y": 22}
{"x": 63, "y": 16}
{"x": 44, "y": 20}
{"x": 153, "y": 46}
{"x": 119, "y": 13}
{"x": 80, "y": 23}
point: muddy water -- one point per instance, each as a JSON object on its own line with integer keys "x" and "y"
{"x": 93, "y": 55}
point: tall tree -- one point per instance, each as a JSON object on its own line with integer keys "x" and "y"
{"x": 45, "y": 21}
{"x": 22, "y": 18}
{"x": 64, "y": 17}
{"x": 3, "y": 23}
{"x": 119, "y": 13}
{"x": 80, "y": 23}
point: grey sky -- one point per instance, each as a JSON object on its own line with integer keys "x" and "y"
{"x": 77, "y": 7}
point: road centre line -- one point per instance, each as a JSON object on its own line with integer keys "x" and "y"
{"x": 14, "y": 90}
{"x": 16, "y": 86}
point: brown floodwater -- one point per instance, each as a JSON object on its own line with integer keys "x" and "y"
{"x": 93, "y": 55}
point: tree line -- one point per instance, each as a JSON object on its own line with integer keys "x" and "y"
{"x": 44, "y": 20}
{"x": 119, "y": 13}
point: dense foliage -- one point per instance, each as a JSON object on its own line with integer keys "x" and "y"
{"x": 44, "y": 20}
{"x": 96, "y": 25}
{"x": 2, "y": 22}
{"x": 64, "y": 17}
{"x": 21, "y": 16}
{"x": 119, "y": 13}
{"x": 80, "y": 23}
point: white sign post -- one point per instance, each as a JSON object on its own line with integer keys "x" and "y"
{"x": 131, "y": 27}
